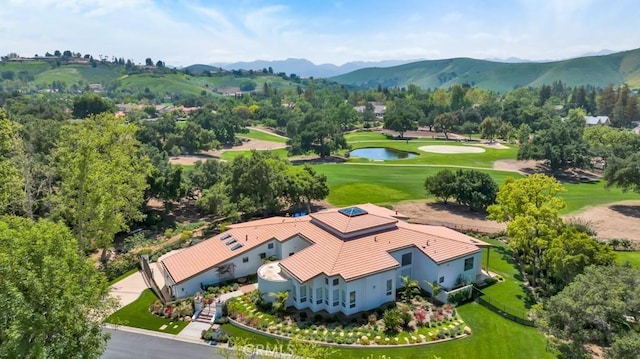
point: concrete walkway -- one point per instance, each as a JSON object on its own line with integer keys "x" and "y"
{"x": 193, "y": 331}
{"x": 128, "y": 289}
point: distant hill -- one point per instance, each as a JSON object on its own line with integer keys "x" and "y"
{"x": 599, "y": 71}
{"x": 306, "y": 68}
{"x": 37, "y": 75}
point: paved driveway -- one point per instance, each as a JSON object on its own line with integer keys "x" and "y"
{"x": 128, "y": 289}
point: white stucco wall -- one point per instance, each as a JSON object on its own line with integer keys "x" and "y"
{"x": 370, "y": 293}
{"x": 292, "y": 245}
{"x": 453, "y": 269}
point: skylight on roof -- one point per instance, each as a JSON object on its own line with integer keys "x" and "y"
{"x": 225, "y": 237}
{"x": 231, "y": 241}
{"x": 236, "y": 246}
{"x": 352, "y": 211}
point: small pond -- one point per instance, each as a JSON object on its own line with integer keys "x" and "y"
{"x": 381, "y": 153}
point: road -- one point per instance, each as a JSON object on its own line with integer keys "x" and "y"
{"x": 126, "y": 345}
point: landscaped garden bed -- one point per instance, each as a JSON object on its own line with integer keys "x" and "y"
{"x": 399, "y": 323}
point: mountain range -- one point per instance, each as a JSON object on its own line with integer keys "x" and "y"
{"x": 306, "y": 68}
{"x": 598, "y": 71}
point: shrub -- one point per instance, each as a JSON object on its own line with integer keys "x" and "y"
{"x": 364, "y": 340}
{"x": 168, "y": 232}
{"x": 392, "y": 320}
{"x": 372, "y": 318}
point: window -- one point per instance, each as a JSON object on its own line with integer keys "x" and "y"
{"x": 352, "y": 299}
{"x": 263, "y": 255}
{"x": 326, "y": 281}
{"x": 303, "y": 294}
{"x": 270, "y": 245}
{"x": 245, "y": 259}
{"x": 468, "y": 263}
{"x": 406, "y": 259}
{"x": 336, "y": 297}
{"x": 318, "y": 295}
{"x": 389, "y": 286}
{"x": 344, "y": 298}
{"x": 326, "y": 296}
{"x": 441, "y": 280}
{"x": 294, "y": 290}
{"x": 336, "y": 281}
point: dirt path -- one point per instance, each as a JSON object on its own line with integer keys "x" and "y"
{"x": 617, "y": 220}
{"x": 449, "y": 215}
{"x": 250, "y": 144}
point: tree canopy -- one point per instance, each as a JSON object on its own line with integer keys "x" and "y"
{"x": 562, "y": 145}
{"x": 51, "y": 297}
{"x": 91, "y": 104}
{"x": 594, "y": 309}
{"x": 103, "y": 174}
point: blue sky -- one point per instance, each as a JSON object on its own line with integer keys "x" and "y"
{"x": 184, "y": 32}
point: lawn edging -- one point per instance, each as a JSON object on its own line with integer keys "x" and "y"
{"x": 334, "y": 345}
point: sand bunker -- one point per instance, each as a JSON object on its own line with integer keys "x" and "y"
{"x": 451, "y": 149}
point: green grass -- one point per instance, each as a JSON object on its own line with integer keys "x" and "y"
{"x": 631, "y": 257}
{"x": 262, "y": 136}
{"x": 484, "y": 160}
{"x": 580, "y": 196}
{"x": 123, "y": 276}
{"x": 137, "y": 315}
{"x": 381, "y": 183}
{"x": 230, "y": 155}
{"x": 493, "y": 337}
{"x": 510, "y": 292}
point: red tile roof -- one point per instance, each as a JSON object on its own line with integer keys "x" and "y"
{"x": 328, "y": 253}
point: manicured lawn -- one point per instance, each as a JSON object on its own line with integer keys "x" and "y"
{"x": 510, "y": 292}
{"x": 493, "y": 337}
{"x": 137, "y": 315}
{"x": 381, "y": 183}
{"x": 632, "y": 257}
{"x": 484, "y": 160}
{"x": 229, "y": 155}
{"x": 581, "y": 195}
{"x": 123, "y": 276}
{"x": 262, "y": 136}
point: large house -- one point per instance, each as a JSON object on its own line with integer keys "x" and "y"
{"x": 596, "y": 120}
{"x": 339, "y": 260}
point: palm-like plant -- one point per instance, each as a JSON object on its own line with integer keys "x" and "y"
{"x": 435, "y": 290}
{"x": 410, "y": 288}
{"x": 280, "y": 302}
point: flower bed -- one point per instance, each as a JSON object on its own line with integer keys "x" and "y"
{"x": 425, "y": 324}
{"x": 180, "y": 310}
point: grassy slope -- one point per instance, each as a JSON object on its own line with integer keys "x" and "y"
{"x": 510, "y": 292}
{"x": 137, "y": 315}
{"x": 262, "y": 136}
{"x": 596, "y": 70}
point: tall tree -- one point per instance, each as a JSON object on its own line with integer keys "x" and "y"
{"x": 11, "y": 178}
{"x": 445, "y": 123}
{"x": 103, "y": 174}
{"x": 489, "y": 127}
{"x": 530, "y": 206}
{"x": 258, "y": 182}
{"x": 90, "y": 104}
{"x": 51, "y": 298}
{"x": 403, "y": 117}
